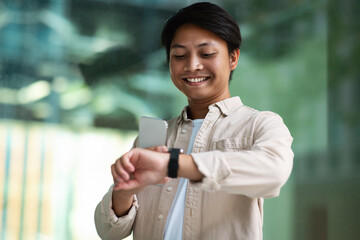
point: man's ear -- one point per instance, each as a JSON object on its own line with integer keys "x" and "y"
{"x": 234, "y": 58}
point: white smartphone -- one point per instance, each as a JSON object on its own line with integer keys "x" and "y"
{"x": 152, "y": 132}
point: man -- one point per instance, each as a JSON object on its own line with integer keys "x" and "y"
{"x": 236, "y": 156}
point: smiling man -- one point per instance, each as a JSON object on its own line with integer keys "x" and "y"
{"x": 200, "y": 67}
{"x": 235, "y": 156}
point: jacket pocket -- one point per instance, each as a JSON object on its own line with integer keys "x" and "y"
{"x": 233, "y": 144}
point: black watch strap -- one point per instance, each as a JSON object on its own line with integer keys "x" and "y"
{"x": 173, "y": 165}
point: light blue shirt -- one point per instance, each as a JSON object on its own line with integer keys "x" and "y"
{"x": 174, "y": 223}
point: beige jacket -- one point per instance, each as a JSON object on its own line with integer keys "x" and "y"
{"x": 245, "y": 156}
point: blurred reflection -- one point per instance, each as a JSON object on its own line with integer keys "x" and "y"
{"x": 76, "y": 75}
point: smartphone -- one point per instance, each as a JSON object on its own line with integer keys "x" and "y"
{"x": 152, "y": 132}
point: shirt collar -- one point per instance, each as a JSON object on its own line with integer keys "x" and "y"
{"x": 226, "y": 107}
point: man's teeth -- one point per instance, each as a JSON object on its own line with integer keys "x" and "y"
{"x": 196, "y": 79}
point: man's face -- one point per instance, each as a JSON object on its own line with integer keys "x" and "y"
{"x": 200, "y": 64}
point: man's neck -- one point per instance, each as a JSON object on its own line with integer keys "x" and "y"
{"x": 198, "y": 110}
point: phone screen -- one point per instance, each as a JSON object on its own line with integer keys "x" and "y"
{"x": 152, "y": 132}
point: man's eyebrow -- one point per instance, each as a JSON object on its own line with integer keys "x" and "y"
{"x": 177, "y": 46}
{"x": 199, "y": 45}
{"x": 205, "y": 44}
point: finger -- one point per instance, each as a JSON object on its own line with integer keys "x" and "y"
{"x": 161, "y": 149}
{"x": 158, "y": 149}
{"x": 126, "y": 163}
{"x": 120, "y": 171}
{"x": 116, "y": 178}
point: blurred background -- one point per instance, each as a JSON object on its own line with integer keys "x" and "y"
{"x": 76, "y": 75}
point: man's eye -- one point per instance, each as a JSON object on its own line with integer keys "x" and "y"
{"x": 207, "y": 55}
{"x": 179, "y": 56}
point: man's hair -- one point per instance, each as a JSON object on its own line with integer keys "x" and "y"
{"x": 205, "y": 15}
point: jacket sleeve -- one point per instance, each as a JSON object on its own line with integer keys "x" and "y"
{"x": 108, "y": 225}
{"x": 259, "y": 171}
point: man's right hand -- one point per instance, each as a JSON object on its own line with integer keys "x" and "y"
{"x": 121, "y": 170}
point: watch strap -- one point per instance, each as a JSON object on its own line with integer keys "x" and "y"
{"x": 173, "y": 165}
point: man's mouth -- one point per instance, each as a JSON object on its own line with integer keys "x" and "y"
{"x": 196, "y": 80}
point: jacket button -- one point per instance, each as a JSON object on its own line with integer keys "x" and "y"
{"x": 160, "y": 217}
{"x": 183, "y": 131}
{"x": 169, "y": 189}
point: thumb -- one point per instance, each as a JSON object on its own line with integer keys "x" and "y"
{"x": 165, "y": 180}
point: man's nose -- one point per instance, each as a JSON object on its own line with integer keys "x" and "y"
{"x": 193, "y": 64}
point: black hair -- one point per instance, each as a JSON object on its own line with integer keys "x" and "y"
{"x": 205, "y": 15}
